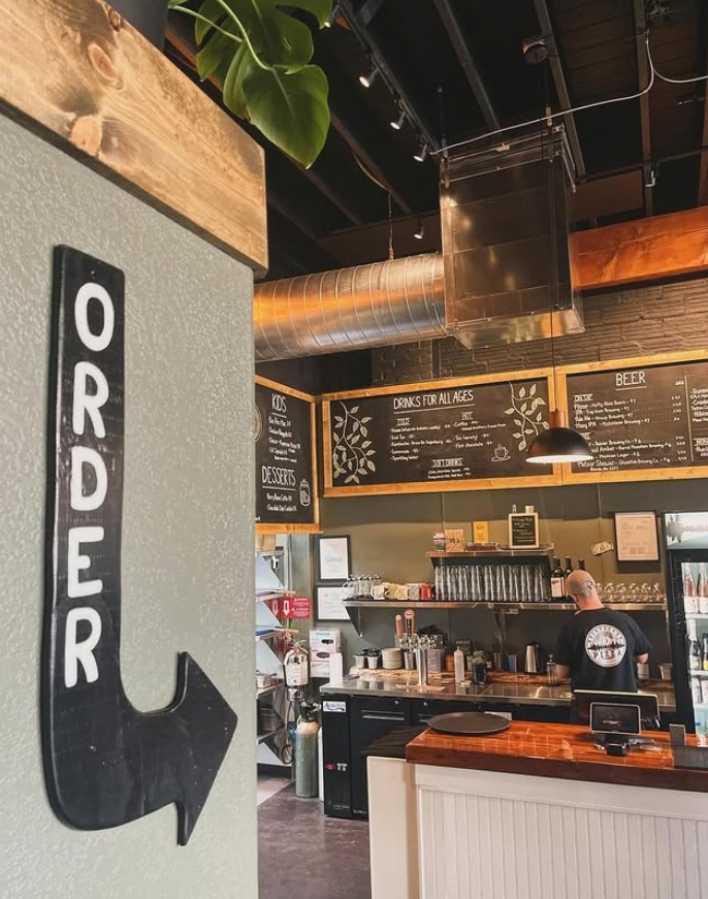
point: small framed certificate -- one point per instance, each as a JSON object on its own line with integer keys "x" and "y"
{"x": 636, "y": 537}
{"x": 329, "y": 602}
{"x": 332, "y": 558}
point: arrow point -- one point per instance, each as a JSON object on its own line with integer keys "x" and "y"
{"x": 208, "y": 724}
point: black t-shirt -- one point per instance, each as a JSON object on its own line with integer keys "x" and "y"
{"x": 599, "y": 646}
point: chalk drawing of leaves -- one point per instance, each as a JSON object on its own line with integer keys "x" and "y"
{"x": 523, "y": 412}
{"x": 351, "y": 455}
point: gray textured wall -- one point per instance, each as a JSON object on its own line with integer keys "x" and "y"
{"x": 187, "y": 529}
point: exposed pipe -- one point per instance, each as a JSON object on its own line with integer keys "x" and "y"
{"x": 379, "y": 304}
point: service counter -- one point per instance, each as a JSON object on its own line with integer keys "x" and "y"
{"x": 537, "y": 811}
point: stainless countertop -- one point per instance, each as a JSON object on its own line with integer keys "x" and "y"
{"x": 525, "y": 694}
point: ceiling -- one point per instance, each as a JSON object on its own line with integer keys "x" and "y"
{"x": 458, "y": 68}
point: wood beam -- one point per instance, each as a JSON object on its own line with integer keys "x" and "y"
{"x": 665, "y": 246}
{"x": 82, "y": 77}
{"x": 454, "y": 32}
{"x": 640, "y": 23}
{"x": 554, "y": 60}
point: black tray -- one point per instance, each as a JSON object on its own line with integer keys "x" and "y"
{"x": 469, "y": 724}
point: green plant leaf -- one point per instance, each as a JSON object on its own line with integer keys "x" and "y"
{"x": 218, "y": 50}
{"x": 290, "y": 110}
{"x": 241, "y": 67}
{"x": 278, "y": 38}
{"x": 212, "y": 10}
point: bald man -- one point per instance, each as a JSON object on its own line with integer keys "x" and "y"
{"x": 598, "y": 648}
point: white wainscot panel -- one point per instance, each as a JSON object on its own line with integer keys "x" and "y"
{"x": 509, "y": 836}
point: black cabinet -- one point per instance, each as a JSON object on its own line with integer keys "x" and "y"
{"x": 370, "y": 719}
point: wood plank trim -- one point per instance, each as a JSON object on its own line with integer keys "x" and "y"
{"x": 82, "y": 77}
{"x": 664, "y": 246}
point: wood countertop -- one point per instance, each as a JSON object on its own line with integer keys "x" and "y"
{"x": 555, "y": 750}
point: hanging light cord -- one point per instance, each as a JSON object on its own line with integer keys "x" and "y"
{"x": 653, "y": 75}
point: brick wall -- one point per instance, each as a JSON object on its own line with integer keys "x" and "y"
{"x": 633, "y": 322}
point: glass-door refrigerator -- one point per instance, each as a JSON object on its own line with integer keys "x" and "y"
{"x": 686, "y": 541}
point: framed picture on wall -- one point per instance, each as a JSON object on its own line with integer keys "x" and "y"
{"x": 332, "y": 558}
{"x": 636, "y": 537}
{"x": 329, "y": 602}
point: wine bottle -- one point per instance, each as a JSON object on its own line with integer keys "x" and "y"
{"x": 567, "y": 573}
{"x": 581, "y": 565}
{"x": 557, "y": 580}
{"x": 695, "y": 659}
{"x": 690, "y": 600}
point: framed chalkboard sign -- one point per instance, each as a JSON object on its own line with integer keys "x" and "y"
{"x": 462, "y": 434}
{"x": 644, "y": 418}
{"x": 286, "y": 460}
{"x": 523, "y": 530}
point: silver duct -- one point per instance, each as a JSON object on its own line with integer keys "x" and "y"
{"x": 505, "y": 266}
{"x": 380, "y": 304}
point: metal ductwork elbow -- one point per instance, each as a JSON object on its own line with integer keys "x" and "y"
{"x": 379, "y": 304}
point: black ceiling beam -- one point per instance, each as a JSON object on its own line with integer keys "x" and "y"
{"x": 378, "y": 58}
{"x": 369, "y": 10}
{"x": 554, "y": 60}
{"x": 357, "y": 147}
{"x": 640, "y": 24}
{"x": 703, "y": 167}
{"x": 464, "y": 55}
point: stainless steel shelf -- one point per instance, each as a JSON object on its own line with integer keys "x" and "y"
{"x": 261, "y": 738}
{"x": 495, "y": 552}
{"x": 354, "y": 607}
{"x": 558, "y": 606}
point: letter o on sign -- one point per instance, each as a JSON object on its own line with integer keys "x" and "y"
{"x": 86, "y": 293}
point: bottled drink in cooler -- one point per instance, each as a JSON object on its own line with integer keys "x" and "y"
{"x": 557, "y": 580}
{"x": 695, "y": 657}
{"x": 704, "y": 654}
{"x": 690, "y": 600}
{"x": 702, "y": 590}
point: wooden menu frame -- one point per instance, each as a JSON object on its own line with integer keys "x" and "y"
{"x": 553, "y": 479}
{"x": 645, "y": 474}
{"x": 286, "y": 527}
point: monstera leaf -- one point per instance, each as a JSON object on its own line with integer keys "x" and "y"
{"x": 260, "y": 54}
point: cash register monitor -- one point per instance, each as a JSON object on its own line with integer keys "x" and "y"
{"x": 647, "y": 702}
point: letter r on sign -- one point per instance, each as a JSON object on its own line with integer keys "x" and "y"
{"x": 75, "y": 652}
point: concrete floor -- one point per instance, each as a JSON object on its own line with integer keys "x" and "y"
{"x": 303, "y": 855}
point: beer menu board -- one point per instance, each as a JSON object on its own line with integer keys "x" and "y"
{"x": 429, "y": 436}
{"x": 285, "y": 475}
{"x": 637, "y": 419}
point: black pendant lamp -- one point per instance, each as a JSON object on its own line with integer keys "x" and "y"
{"x": 558, "y": 443}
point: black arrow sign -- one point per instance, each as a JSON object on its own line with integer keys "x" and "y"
{"x": 105, "y": 762}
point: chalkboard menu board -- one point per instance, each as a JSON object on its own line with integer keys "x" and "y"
{"x": 457, "y": 436}
{"x": 286, "y": 480}
{"x": 642, "y": 418}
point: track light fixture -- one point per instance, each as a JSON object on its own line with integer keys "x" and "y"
{"x": 421, "y": 153}
{"x": 397, "y": 124}
{"x": 368, "y": 79}
{"x": 419, "y": 231}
